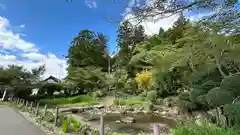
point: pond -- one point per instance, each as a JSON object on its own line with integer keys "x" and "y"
{"x": 143, "y": 122}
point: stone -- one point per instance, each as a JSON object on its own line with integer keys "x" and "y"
{"x": 127, "y": 119}
{"x": 163, "y": 113}
{"x": 118, "y": 121}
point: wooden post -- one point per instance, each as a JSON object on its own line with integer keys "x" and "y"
{"x": 45, "y": 110}
{"x": 101, "y": 125}
{"x": 56, "y": 116}
{"x": 36, "y": 113}
{"x": 27, "y": 104}
{"x": 156, "y": 130}
{"x": 17, "y": 101}
{"x": 31, "y": 105}
{"x": 23, "y": 103}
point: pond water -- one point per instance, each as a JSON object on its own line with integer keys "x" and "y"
{"x": 143, "y": 122}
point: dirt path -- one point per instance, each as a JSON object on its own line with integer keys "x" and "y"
{"x": 12, "y": 123}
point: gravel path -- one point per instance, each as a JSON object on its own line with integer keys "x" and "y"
{"x": 12, "y": 123}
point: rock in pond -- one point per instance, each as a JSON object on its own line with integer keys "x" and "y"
{"x": 127, "y": 119}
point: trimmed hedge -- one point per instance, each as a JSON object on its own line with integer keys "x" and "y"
{"x": 217, "y": 97}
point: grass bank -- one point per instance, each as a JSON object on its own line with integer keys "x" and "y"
{"x": 80, "y": 100}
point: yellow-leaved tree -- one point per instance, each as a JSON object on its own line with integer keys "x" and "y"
{"x": 144, "y": 79}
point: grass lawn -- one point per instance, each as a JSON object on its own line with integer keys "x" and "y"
{"x": 80, "y": 100}
{"x": 130, "y": 101}
{"x": 206, "y": 129}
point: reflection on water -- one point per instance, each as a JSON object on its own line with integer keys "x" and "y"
{"x": 143, "y": 122}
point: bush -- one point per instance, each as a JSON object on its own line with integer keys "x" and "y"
{"x": 76, "y": 125}
{"x": 152, "y": 96}
{"x": 195, "y": 93}
{"x": 208, "y": 85}
{"x": 232, "y": 83}
{"x": 184, "y": 96}
{"x": 98, "y": 94}
{"x": 217, "y": 97}
{"x": 49, "y": 117}
{"x": 206, "y": 129}
{"x": 186, "y": 105}
{"x": 232, "y": 111}
{"x": 65, "y": 126}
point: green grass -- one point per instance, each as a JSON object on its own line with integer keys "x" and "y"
{"x": 130, "y": 101}
{"x": 81, "y": 99}
{"x": 206, "y": 129}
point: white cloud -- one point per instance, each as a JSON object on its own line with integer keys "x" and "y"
{"x": 11, "y": 40}
{"x": 15, "y": 50}
{"x": 35, "y": 56}
{"x": 22, "y": 26}
{"x": 91, "y": 3}
{"x": 152, "y": 27}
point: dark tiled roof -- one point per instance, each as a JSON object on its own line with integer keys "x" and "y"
{"x": 52, "y": 78}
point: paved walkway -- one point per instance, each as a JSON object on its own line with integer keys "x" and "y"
{"x": 12, "y": 123}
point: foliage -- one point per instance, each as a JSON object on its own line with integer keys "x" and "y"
{"x": 233, "y": 112}
{"x": 144, "y": 79}
{"x": 65, "y": 127}
{"x": 206, "y": 129}
{"x": 231, "y": 83}
{"x": 97, "y": 94}
{"x": 49, "y": 117}
{"x": 19, "y": 80}
{"x": 217, "y": 97}
{"x": 152, "y": 96}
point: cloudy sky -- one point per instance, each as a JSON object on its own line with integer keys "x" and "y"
{"x": 37, "y": 32}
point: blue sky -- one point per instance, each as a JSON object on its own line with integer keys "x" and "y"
{"x": 51, "y": 24}
{"x": 37, "y": 32}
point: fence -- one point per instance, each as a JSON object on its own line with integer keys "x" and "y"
{"x": 35, "y": 111}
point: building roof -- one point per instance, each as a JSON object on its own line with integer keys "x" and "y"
{"x": 52, "y": 78}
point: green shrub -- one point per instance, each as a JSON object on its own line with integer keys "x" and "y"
{"x": 84, "y": 129}
{"x": 65, "y": 126}
{"x": 184, "y": 96}
{"x": 186, "y": 105}
{"x": 49, "y": 117}
{"x": 202, "y": 100}
{"x": 76, "y": 125}
{"x": 232, "y": 83}
{"x": 98, "y": 94}
{"x": 232, "y": 111}
{"x": 206, "y": 129}
{"x": 217, "y": 97}
{"x": 208, "y": 85}
{"x": 195, "y": 93}
{"x": 152, "y": 96}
